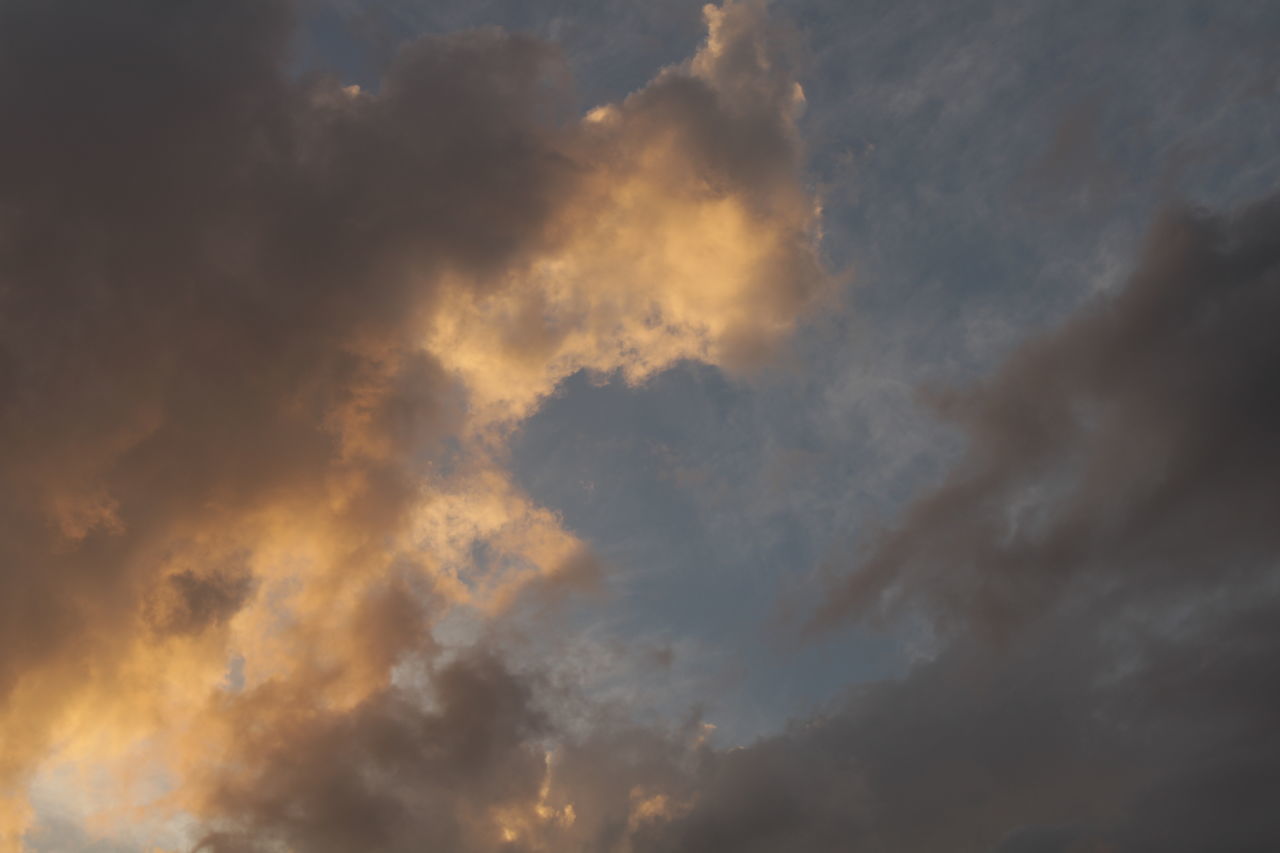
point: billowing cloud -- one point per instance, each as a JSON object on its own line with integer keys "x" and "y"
{"x": 390, "y": 774}
{"x": 1124, "y": 706}
{"x": 474, "y": 761}
{"x": 262, "y": 337}
{"x": 691, "y": 237}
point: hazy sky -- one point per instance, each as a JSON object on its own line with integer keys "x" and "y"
{"x": 619, "y": 427}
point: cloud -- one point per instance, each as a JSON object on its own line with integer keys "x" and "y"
{"x": 1131, "y": 447}
{"x": 472, "y": 761}
{"x": 1123, "y": 705}
{"x": 389, "y": 774}
{"x": 262, "y": 338}
{"x": 1100, "y": 568}
{"x": 1102, "y": 730}
{"x": 691, "y": 237}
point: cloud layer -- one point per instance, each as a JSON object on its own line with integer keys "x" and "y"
{"x": 263, "y": 338}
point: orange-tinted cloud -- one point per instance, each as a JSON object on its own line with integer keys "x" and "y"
{"x": 261, "y": 341}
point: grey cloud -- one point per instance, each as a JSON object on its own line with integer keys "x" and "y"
{"x": 1101, "y": 564}
{"x": 393, "y": 774}
{"x": 212, "y": 281}
{"x": 1092, "y": 735}
{"x": 476, "y": 761}
{"x": 195, "y": 249}
{"x": 194, "y": 601}
{"x": 1134, "y": 446}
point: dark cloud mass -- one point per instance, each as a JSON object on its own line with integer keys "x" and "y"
{"x": 388, "y": 775}
{"x": 1135, "y": 448}
{"x": 206, "y": 263}
{"x": 263, "y": 339}
{"x": 1102, "y": 568}
{"x": 210, "y": 275}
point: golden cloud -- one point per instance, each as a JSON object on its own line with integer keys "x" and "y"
{"x": 264, "y": 341}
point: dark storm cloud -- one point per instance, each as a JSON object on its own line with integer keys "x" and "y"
{"x": 202, "y": 261}
{"x": 1101, "y": 569}
{"x": 1099, "y": 732}
{"x": 211, "y": 276}
{"x": 1135, "y": 447}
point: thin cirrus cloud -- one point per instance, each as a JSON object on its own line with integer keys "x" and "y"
{"x": 263, "y": 340}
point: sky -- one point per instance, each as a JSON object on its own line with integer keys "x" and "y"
{"x": 621, "y": 427}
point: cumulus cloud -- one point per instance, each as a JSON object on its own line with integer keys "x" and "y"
{"x": 262, "y": 338}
